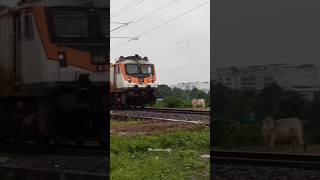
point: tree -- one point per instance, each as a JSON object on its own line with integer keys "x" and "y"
{"x": 267, "y": 99}
{"x": 290, "y": 105}
{"x": 163, "y": 91}
{"x": 221, "y": 98}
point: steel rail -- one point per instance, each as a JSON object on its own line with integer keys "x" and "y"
{"x": 293, "y": 160}
{"x": 150, "y": 119}
{"x": 16, "y": 172}
{"x": 168, "y": 110}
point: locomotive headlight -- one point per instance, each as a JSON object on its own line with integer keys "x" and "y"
{"x": 62, "y": 59}
{"x": 129, "y": 79}
{"x": 98, "y": 59}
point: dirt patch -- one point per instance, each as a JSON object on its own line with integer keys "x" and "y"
{"x": 154, "y": 128}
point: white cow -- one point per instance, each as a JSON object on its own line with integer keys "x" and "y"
{"x": 283, "y": 131}
{"x": 198, "y": 103}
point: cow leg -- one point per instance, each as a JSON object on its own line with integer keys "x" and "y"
{"x": 301, "y": 142}
{"x": 272, "y": 142}
{"x": 293, "y": 144}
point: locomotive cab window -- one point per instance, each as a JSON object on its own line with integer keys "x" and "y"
{"x": 104, "y": 23}
{"x": 139, "y": 69}
{"x": 70, "y": 24}
{"x": 146, "y": 69}
{"x": 118, "y": 69}
{"x": 132, "y": 69}
{"x": 27, "y": 27}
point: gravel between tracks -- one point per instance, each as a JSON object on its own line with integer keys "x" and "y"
{"x": 179, "y": 116}
{"x": 79, "y": 164}
{"x": 232, "y": 172}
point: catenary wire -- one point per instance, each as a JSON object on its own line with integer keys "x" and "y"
{"x": 162, "y": 24}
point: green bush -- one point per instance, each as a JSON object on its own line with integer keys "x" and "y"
{"x": 230, "y": 133}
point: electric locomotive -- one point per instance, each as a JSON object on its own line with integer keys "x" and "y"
{"x": 54, "y": 73}
{"x": 132, "y": 82}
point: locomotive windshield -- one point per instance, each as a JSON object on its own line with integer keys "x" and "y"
{"x": 132, "y": 69}
{"x": 141, "y": 69}
{"x": 146, "y": 69}
{"x": 72, "y": 25}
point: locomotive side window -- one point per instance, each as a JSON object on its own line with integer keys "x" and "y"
{"x": 27, "y": 28}
{"x": 71, "y": 24}
{"x": 104, "y": 23}
{"x": 118, "y": 69}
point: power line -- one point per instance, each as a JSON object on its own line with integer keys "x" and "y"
{"x": 124, "y": 7}
{"x": 164, "y": 23}
{"x": 139, "y": 2}
{"x": 124, "y": 24}
{"x": 151, "y": 13}
{"x": 112, "y": 22}
{"x": 131, "y": 38}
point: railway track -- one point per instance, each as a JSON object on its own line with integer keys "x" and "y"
{"x": 171, "y": 115}
{"x": 16, "y": 172}
{"x": 307, "y": 161}
{"x": 168, "y": 110}
{"x": 53, "y": 162}
{"x": 66, "y": 150}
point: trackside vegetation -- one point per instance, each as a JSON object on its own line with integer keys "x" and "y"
{"x": 238, "y": 115}
{"x": 178, "y": 98}
{"x": 170, "y": 155}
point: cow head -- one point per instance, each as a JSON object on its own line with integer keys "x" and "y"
{"x": 269, "y": 124}
{"x": 268, "y": 131}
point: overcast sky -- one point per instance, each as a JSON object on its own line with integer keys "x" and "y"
{"x": 250, "y": 32}
{"x": 179, "y": 49}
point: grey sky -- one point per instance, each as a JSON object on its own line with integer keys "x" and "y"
{"x": 251, "y": 32}
{"x": 180, "y": 49}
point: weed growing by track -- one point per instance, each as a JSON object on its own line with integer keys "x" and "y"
{"x": 173, "y": 155}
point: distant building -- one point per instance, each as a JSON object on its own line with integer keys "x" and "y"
{"x": 204, "y": 86}
{"x": 257, "y": 77}
{"x": 302, "y": 78}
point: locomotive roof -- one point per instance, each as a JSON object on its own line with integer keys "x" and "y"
{"x": 131, "y": 61}
{"x": 69, "y": 3}
{"x": 57, "y": 3}
{"x": 72, "y": 3}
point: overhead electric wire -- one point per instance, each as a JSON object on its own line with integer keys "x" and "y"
{"x": 139, "y": 2}
{"x": 112, "y": 22}
{"x": 151, "y": 13}
{"x": 162, "y": 24}
{"x": 125, "y": 24}
{"x": 124, "y": 7}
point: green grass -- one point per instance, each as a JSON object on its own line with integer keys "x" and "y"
{"x": 131, "y": 159}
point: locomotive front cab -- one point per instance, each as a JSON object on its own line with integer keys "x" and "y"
{"x": 57, "y": 61}
{"x": 78, "y": 38}
{"x": 134, "y": 80}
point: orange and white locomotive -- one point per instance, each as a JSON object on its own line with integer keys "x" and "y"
{"x": 132, "y": 81}
{"x": 54, "y": 74}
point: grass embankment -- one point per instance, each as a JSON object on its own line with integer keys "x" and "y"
{"x": 132, "y": 156}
